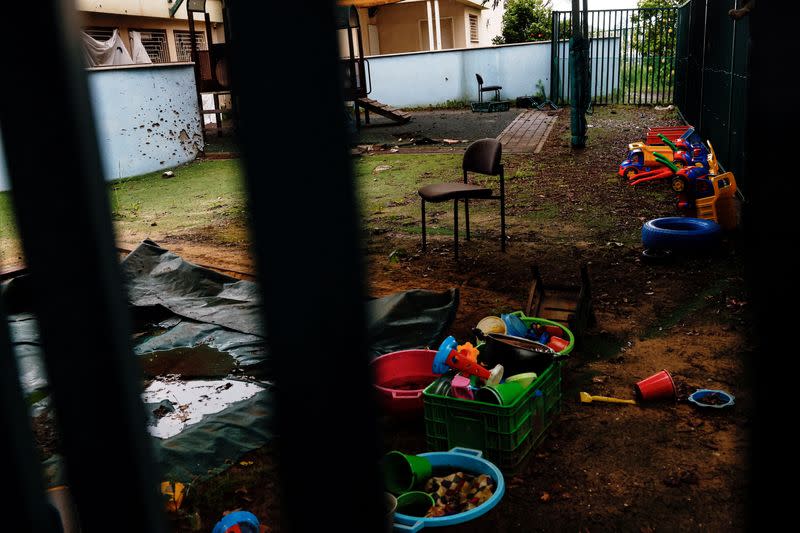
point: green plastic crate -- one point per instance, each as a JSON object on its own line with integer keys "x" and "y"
{"x": 505, "y": 433}
{"x": 490, "y": 107}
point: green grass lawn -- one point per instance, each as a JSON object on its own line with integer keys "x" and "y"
{"x": 207, "y": 194}
{"x": 557, "y": 196}
{"x": 9, "y": 241}
{"x": 204, "y": 197}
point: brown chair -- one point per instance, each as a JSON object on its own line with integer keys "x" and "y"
{"x": 482, "y": 157}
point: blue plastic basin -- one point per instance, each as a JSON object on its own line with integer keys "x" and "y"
{"x": 457, "y": 459}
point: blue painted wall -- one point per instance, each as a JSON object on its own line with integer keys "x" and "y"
{"x": 147, "y": 119}
{"x": 431, "y": 78}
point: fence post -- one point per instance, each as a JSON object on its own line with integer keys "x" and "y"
{"x": 62, "y": 210}
{"x": 703, "y": 66}
{"x": 554, "y": 53}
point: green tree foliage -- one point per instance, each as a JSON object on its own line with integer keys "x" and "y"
{"x": 525, "y": 21}
{"x": 653, "y": 36}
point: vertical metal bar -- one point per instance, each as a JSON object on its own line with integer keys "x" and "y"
{"x": 424, "y": 236}
{"x": 642, "y": 55}
{"x": 609, "y": 49}
{"x": 601, "y": 52}
{"x": 455, "y": 227}
{"x": 703, "y": 67}
{"x": 565, "y": 64}
{"x": 286, "y": 293}
{"x": 553, "y": 54}
{"x": 466, "y": 216}
{"x": 592, "y": 43}
{"x": 673, "y": 50}
{"x": 606, "y": 52}
{"x": 566, "y": 57}
{"x": 61, "y": 204}
{"x": 196, "y": 59}
{"x": 23, "y": 507}
{"x": 730, "y": 91}
{"x": 657, "y": 51}
{"x": 618, "y": 54}
{"x": 629, "y": 51}
{"x": 632, "y": 60}
{"x": 648, "y": 57}
{"x": 502, "y": 209}
{"x": 658, "y": 28}
{"x": 668, "y": 60}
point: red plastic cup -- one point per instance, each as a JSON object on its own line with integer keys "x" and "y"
{"x": 657, "y": 387}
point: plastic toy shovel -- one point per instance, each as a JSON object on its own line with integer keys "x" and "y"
{"x": 588, "y": 398}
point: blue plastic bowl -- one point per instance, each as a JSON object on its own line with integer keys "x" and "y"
{"x": 697, "y": 398}
{"x": 457, "y": 459}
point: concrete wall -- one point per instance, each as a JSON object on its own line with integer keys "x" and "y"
{"x": 430, "y": 78}
{"x": 147, "y": 117}
{"x": 146, "y": 8}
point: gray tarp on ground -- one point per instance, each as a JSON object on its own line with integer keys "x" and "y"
{"x": 158, "y": 277}
{"x": 214, "y": 309}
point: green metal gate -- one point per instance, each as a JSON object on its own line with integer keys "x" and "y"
{"x": 632, "y": 55}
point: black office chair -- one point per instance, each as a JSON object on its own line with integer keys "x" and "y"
{"x": 487, "y": 88}
{"x": 482, "y": 157}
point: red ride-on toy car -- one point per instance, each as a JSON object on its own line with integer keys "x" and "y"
{"x": 637, "y": 173}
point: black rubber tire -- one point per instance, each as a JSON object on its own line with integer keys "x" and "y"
{"x": 657, "y": 256}
{"x": 680, "y": 233}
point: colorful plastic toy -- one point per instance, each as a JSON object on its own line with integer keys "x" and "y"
{"x": 673, "y": 133}
{"x": 449, "y": 356}
{"x": 665, "y": 170}
{"x": 707, "y": 195}
{"x": 238, "y": 522}
{"x": 666, "y": 149}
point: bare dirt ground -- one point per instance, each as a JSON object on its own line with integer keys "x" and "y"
{"x": 602, "y": 467}
{"x": 664, "y": 467}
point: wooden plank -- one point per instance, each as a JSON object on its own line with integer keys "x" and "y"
{"x": 553, "y": 302}
{"x": 557, "y": 316}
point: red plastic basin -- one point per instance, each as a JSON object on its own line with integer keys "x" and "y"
{"x": 400, "y": 378}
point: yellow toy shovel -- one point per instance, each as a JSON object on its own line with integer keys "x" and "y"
{"x": 588, "y": 398}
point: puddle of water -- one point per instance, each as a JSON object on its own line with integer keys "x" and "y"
{"x": 192, "y": 400}
{"x": 200, "y": 361}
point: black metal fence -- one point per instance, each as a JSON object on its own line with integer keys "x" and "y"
{"x": 63, "y": 215}
{"x": 711, "y": 80}
{"x": 632, "y": 55}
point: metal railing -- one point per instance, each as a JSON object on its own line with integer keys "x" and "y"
{"x": 632, "y": 55}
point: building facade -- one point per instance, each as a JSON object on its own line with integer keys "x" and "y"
{"x": 425, "y": 25}
{"x": 165, "y": 37}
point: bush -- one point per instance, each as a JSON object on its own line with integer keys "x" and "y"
{"x": 526, "y": 21}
